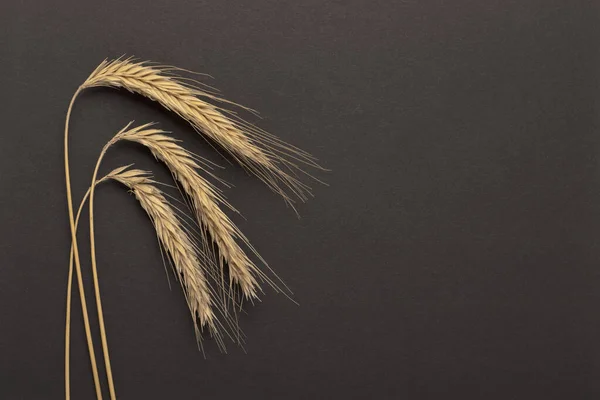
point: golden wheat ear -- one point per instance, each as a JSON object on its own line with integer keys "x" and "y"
{"x": 205, "y": 202}
{"x": 275, "y": 162}
{"x": 186, "y": 259}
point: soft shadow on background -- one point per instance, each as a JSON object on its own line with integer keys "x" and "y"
{"x": 455, "y": 253}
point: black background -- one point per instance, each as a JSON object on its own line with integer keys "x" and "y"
{"x": 454, "y": 255}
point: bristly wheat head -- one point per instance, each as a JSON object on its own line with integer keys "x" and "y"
{"x": 176, "y": 242}
{"x": 269, "y": 158}
{"x": 205, "y": 200}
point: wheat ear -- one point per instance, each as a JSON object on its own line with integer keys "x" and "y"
{"x": 272, "y": 160}
{"x": 178, "y": 245}
{"x": 205, "y": 199}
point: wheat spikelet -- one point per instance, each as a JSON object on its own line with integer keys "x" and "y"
{"x": 273, "y": 161}
{"x": 205, "y": 200}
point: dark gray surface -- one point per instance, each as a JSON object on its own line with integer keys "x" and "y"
{"x": 455, "y": 254}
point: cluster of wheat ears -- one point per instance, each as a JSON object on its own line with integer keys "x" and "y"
{"x": 210, "y": 257}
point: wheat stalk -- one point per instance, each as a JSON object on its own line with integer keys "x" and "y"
{"x": 269, "y": 158}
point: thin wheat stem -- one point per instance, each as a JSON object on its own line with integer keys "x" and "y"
{"x": 111, "y": 385}
{"x": 68, "y": 330}
{"x": 86, "y": 322}
{"x": 69, "y": 290}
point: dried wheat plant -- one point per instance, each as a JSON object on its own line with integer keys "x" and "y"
{"x": 201, "y": 268}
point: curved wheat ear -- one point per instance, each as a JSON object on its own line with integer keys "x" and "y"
{"x": 176, "y": 242}
{"x": 205, "y": 200}
{"x": 269, "y": 158}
